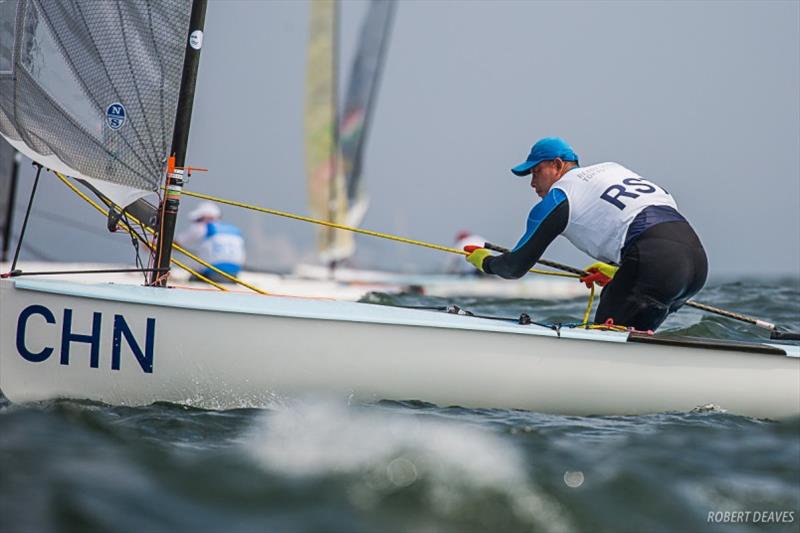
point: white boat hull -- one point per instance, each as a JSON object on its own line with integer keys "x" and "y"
{"x": 221, "y": 351}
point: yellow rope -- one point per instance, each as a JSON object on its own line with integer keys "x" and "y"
{"x": 608, "y": 327}
{"x": 127, "y": 228}
{"x": 382, "y": 236}
{"x": 354, "y": 229}
{"x": 175, "y": 246}
{"x": 234, "y": 279}
{"x": 304, "y": 219}
{"x": 588, "y": 308}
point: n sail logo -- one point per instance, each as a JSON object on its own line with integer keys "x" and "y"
{"x": 115, "y": 115}
{"x": 122, "y": 334}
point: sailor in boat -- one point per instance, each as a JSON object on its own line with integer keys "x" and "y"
{"x": 650, "y": 259}
{"x": 455, "y": 265}
{"x": 218, "y": 243}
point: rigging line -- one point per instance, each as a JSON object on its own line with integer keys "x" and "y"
{"x": 573, "y": 272}
{"x": 135, "y": 244}
{"x": 523, "y": 319}
{"x": 384, "y": 236}
{"x": 27, "y": 216}
{"x": 175, "y": 246}
{"x": 140, "y": 237}
{"x": 143, "y": 239}
{"x": 131, "y": 230}
{"x": 150, "y": 257}
{"x": 88, "y": 271}
{"x": 355, "y": 230}
{"x": 37, "y": 253}
{"x": 193, "y": 272}
{"x": 588, "y": 307}
{"x": 47, "y": 215}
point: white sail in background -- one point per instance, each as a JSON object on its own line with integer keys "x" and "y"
{"x": 335, "y": 142}
{"x": 362, "y": 90}
{"x": 326, "y": 185}
{"x": 90, "y": 88}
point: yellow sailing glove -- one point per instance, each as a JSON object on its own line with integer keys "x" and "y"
{"x": 476, "y": 256}
{"x": 600, "y": 273}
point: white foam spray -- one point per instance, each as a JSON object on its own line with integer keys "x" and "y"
{"x": 388, "y": 451}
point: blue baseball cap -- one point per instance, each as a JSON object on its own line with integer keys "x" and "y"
{"x": 546, "y": 149}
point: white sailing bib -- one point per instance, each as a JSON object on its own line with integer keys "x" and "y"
{"x": 223, "y": 248}
{"x": 219, "y": 243}
{"x": 603, "y": 201}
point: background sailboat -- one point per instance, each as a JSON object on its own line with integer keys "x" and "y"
{"x": 326, "y": 187}
{"x": 335, "y": 140}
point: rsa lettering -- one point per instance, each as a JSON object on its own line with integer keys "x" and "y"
{"x": 636, "y": 188}
{"x": 143, "y": 351}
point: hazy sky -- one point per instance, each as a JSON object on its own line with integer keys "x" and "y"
{"x": 701, "y": 97}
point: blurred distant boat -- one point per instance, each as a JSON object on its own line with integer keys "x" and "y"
{"x": 335, "y": 142}
{"x": 334, "y": 156}
{"x": 531, "y": 287}
{"x": 448, "y": 285}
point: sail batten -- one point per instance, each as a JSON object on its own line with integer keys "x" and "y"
{"x": 91, "y": 88}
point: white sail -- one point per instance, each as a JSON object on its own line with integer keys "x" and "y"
{"x": 359, "y": 106}
{"x": 90, "y": 89}
{"x": 326, "y": 180}
{"x": 335, "y": 140}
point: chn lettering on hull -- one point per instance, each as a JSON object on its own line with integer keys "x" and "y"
{"x": 121, "y": 335}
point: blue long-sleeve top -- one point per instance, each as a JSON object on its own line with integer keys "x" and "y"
{"x": 546, "y": 221}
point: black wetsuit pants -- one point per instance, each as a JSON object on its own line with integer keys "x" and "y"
{"x": 664, "y": 267}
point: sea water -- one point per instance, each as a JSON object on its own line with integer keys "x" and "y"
{"x": 324, "y": 464}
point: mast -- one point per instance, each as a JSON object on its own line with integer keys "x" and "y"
{"x": 12, "y": 194}
{"x": 183, "y": 118}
